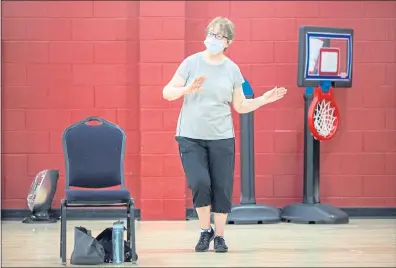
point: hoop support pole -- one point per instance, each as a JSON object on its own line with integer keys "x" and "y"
{"x": 311, "y": 157}
{"x": 248, "y": 212}
{"x": 247, "y": 157}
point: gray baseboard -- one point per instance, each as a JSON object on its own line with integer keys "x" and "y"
{"x": 111, "y": 214}
{"x": 353, "y": 212}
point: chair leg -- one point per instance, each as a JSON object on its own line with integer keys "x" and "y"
{"x": 63, "y": 232}
{"x": 132, "y": 232}
{"x": 60, "y": 233}
{"x": 128, "y": 225}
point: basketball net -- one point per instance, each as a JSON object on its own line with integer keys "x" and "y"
{"x": 323, "y": 115}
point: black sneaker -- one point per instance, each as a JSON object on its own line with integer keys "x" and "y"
{"x": 204, "y": 241}
{"x": 220, "y": 245}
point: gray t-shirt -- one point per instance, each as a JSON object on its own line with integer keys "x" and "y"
{"x": 206, "y": 115}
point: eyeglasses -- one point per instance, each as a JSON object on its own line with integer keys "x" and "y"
{"x": 217, "y": 36}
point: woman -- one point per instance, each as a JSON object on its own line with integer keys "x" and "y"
{"x": 210, "y": 82}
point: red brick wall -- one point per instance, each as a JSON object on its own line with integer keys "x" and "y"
{"x": 63, "y": 61}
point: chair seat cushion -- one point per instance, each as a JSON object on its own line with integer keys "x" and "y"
{"x": 98, "y": 195}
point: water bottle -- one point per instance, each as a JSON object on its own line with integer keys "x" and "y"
{"x": 118, "y": 242}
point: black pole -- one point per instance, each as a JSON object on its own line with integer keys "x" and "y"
{"x": 247, "y": 157}
{"x": 316, "y": 170}
{"x": 311, "y": 159}
{"x": 311, "y": 153}
{"x": 248, "y": 212}
{"x": 315, "y": 152}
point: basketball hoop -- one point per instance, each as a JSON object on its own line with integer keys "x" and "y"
{"x": 323, "y": 115}
{"x": 322, "y": 66}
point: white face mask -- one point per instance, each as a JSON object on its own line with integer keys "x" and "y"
{"x": 213, "y": 45}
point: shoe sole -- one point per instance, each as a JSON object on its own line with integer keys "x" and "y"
{"x": 222, "y": 250}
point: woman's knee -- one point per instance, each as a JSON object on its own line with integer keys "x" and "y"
{"x": 200, "y": 186}
{"x": 201, "y": 192}
{"x": 222, "y": 199}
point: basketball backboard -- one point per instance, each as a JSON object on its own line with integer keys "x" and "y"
{"x": 325, "y": 54}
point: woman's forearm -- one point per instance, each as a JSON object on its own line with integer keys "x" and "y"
{"x": 249, "y": 105}
{"x": 171, "y": 93}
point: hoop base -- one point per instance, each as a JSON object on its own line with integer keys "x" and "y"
{"x": 253, "y": 214}
{"x": 314, "y": 214}
{"x": 41, "y": 217}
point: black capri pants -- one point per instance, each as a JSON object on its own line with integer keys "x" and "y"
{"x": 209, "y": 168}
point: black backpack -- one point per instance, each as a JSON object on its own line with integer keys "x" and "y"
{"x": 105, "y": 239}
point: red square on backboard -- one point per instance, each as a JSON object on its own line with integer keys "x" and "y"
{"x": 322, "y": 52}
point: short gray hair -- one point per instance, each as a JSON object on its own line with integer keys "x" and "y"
{"x": 226, "y": 26}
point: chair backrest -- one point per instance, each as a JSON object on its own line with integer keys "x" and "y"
{"x": 94, "y": 154}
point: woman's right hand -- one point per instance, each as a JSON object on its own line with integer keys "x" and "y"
{"x": 195, "y": 85}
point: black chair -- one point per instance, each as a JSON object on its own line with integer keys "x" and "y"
{"x": 94, "y": 158}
